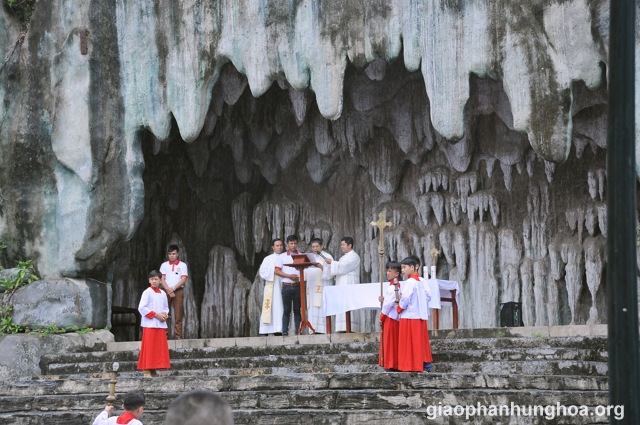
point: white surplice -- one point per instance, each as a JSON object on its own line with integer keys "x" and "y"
{"x": 268, "y": 274}
{"x": 315, "y": 280}
{"x": 104, "y": 419}
{"x": 347, "y": 272}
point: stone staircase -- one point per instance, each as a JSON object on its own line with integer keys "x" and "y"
{"x": 333, "y": 379}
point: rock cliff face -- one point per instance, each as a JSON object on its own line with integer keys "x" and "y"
{"x": 478, "y": 127}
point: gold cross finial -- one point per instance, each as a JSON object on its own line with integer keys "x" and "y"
{"x": 381, "y": 224}
{"x": 434, "y": 255}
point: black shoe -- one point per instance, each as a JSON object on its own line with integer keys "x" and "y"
{"x": 277, "y": 334}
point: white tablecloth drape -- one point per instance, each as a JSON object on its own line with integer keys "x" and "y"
{"x": 444, "y": 288}
{"x": 343, "y": 298}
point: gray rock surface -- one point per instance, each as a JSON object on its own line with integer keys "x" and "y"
{"x": 459, "y": 120}
{"x": 20, "y": 354}
{"x": 63, "y": 302}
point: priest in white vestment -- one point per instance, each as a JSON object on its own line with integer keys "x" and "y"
{"x": 316, "y": 278}
{"x": 272, "y": 308}
{"x": 346, "y": 272}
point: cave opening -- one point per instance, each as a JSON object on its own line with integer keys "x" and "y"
{"x": 511, "y": 226}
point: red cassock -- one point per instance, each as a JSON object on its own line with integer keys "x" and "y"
{"x": 426, "y": 344}
{"x": 388, "y": 355}
{"x": 414, "y": 348}
{"x": 411, "y": 345}
{"x": 154, "y": 352}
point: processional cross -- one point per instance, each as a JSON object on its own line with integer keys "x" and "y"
{"x": 381, "y": 224}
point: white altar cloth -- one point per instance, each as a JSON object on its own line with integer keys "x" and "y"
{"x": 343, "y": 298}
{"x": 444, "y": 288}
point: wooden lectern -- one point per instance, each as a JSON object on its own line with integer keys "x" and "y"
{"x": 301, "y": 262}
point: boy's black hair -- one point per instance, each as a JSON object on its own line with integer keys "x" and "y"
{"x": 292, "y": 238}
{"x": 415, "y": 257}
{"x": 317, "y": 240}
{"x": 348, "y": 240}
{"x": 411, "y": 261}
{"x": 155, "y": 273}
{"x": 394, "y": 265}
{"x": 133, "y": 399}
{"x": 173, "y": 248}
{"x": 273, "y": 242}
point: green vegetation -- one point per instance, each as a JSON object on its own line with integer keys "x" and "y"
{"x": 25, "y": 274}
{"x": 21, "y": 10}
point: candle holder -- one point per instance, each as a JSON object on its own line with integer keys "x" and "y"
{"x": 111, "y": 398}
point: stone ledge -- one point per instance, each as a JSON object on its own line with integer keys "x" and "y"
{"x": 344, "y": 338}
{"x": 524, "y": 331}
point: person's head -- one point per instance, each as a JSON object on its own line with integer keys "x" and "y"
{"x": 393, "y": 270}
{"x": 154, "y": 278}
{"x": 173, "y": 253}
{"x": 417, "y": 259}
{"x": 199, "y": 407}
{"x": 292, "y": 243}
{"x": 346, "y": 244}
{"x": 317, "y": 245}
{"x": 409, "y": 266}
{"x": 134, "y": 402}
{"x": 277, "y": 246}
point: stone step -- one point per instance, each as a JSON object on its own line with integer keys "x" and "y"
{"x": 131, "y": 372}
{"x": 79, "y": 363}
{"x": 579, "y": 342}
{"x": 309, "y": 381}
{"x": 181, "y": 363}
{"x": 218, "y": 352}
{"x": 514, "y": 354}
{"x": 322, "y": 399}
{"x": 329, "y": 364}
{"x": 530, "y": 367}
{"x": 337, "y": 381}
{"x": 314, "y": 417}
{"x": 385, "y": 417}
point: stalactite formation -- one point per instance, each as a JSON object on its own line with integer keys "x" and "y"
{"x": 478, "y": 128}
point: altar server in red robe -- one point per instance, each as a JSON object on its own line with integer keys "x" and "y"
{"x": 154, "y": 309}
{"x": 133, "y": 407}
{"x": 428, "y": 359}
{"x": 413, "y": 340}
{"x": 389, "y": 320}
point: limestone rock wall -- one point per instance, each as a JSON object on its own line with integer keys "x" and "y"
{"x": 63, "y": 302}
{"x": 478, "y": 127}
{"x": 511, "y": 226}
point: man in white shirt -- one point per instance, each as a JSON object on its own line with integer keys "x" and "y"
{"x": 174, "y": 276}
{"x": 272, "y": 308}
{"x": 290, "y": 286}
{"x": 347, "y": 272}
